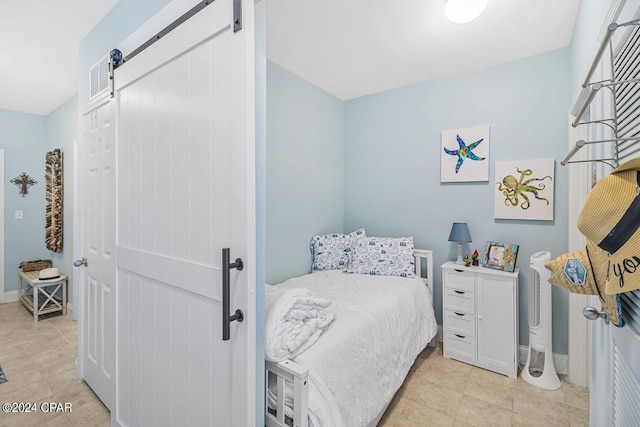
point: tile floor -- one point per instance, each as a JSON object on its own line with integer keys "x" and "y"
{"x": 38, "y": 360}
{"x": 445, "y": 392}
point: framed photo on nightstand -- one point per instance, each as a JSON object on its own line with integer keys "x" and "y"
{"x": 500, "y": 256}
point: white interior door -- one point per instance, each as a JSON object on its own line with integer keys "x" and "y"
{"x": 615, "y": 373}
{"x": 96, "y": 346}
{"x": 186, "y": 191}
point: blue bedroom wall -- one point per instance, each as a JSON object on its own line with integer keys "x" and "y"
{"x": 62, "y": 129}
{"x": 305, "y": 171}
{"x": 392, "y": 164}
{"x": 23, "y": 137}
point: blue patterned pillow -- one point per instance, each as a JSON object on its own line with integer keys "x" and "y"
{"x": 332, "y": 251}
{"x": 383, "y": 256}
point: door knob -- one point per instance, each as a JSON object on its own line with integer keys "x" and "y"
{"x": 80, "y": 262}
{"x": 592, "y": 313}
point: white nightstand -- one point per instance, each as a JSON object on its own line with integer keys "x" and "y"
{"x": 480, "y": 317}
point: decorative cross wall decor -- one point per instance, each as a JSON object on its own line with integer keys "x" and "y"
{"x": 24, "y": 181}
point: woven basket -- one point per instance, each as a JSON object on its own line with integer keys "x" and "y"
{"x": 39, "y": 264}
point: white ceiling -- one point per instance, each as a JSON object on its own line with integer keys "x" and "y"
{"x": 349, "y": 48}
{"x": 352, "y": 48}
{"x": 39, "y": 42}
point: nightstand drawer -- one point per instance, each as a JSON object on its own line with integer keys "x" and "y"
{"x": 463, "y": 280}
{"x": 461, "y": 345}
{"x": 463, "y": 323}
{"x": 461, "y": 301}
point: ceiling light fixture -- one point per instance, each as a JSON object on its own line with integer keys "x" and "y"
{"x": 463, "y": 11}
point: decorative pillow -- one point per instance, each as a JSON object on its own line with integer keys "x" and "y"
{"x": 383, "y": 256}
{"x": 332, "y": 251}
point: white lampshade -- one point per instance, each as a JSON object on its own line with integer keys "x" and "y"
{"x": 463, "y": 11}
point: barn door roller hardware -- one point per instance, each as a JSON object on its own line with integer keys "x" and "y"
{"x": 116, "y": 59}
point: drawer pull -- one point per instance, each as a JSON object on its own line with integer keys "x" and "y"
{"x": 459, "y": 292}
{"x": 459, "y": 336}
{"x": 459, "y": 314}
{"x": 459, "y": 271}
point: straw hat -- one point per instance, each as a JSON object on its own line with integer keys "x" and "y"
{"x": 611, "y": 218}
{"x": 585, "y": 273}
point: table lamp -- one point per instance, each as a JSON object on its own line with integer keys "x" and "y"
{"x": 459, "y": 233}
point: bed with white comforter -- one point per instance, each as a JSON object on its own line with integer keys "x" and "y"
{"x": 368, "y": 331}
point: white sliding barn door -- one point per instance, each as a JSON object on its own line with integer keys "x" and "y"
{"x": 96, "y": 344}
{"x": 185, "y": 178}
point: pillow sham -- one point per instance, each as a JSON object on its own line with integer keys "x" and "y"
{"x": 332, "y": 251}
{"x": 386, "y": 256}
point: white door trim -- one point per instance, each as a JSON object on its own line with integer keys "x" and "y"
{"x": 2, "y": 296}
{"x": 579, "y": 343}
{"x": 75, "y": 226}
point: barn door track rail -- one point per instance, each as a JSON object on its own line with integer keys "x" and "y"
{"x": 115, "y": 56}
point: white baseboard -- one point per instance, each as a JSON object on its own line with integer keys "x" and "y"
{"x": 560, "y": 361}
{"x": 11, "y": 296}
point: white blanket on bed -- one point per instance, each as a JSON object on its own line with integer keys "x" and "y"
{"x": 294, "y": 320}
{"x": 356, "y": 367}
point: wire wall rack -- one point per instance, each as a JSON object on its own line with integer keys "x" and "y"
{"x": 623, "y": 86}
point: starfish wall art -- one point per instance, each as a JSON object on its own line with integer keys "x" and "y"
{"x": 464, "y": 155}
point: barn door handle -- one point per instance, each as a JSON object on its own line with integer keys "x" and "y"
{"x": 226, "y": 282}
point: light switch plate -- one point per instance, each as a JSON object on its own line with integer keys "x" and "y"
{"x": 19, "y": 214}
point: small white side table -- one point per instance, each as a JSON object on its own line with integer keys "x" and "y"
{"x": 38, "y": 296}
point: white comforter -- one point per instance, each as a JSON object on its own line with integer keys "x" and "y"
{"x": 355, "y": 368}
{"x": 294, "y": 320}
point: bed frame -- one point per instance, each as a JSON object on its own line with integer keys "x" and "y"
{"x": 290, "y": 372}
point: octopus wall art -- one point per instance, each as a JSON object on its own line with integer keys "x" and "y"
{"x": 524, "y": 189}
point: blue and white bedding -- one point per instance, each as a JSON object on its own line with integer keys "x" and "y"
{"x": 356, "y": 366}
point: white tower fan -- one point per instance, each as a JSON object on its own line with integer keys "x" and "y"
{"x": 540, "y": 337}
